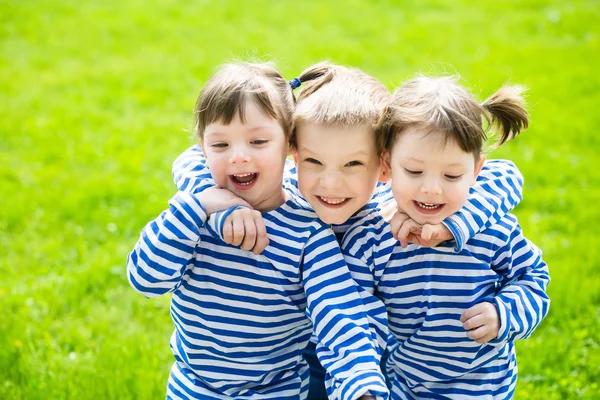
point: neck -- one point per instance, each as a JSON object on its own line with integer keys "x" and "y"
{"x": 272, "y": 202}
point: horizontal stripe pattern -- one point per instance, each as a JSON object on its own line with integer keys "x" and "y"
{"x": 240, "y": 319}
{"x": 426, "y": 290}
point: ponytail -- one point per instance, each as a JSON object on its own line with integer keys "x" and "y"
{"x": 507, "y": 109}
{"x": 315, "y": 76}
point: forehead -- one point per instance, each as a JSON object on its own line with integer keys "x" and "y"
{"x": 250, "y": 119}
{"x": 428, "y": 146}
{"x": 339, "y": 139}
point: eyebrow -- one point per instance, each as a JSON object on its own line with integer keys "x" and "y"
{"x": 456, "y": 164}
{"x": 253, "y": 129}
{"x": 356, "y": 154}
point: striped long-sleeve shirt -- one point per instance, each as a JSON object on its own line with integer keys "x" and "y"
{"x": 426, "y": 290}
{"x": 240, "y": 319}
{"x": 497, "y": 191}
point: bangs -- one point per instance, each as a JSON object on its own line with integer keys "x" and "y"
{"x": 224, "y": 105}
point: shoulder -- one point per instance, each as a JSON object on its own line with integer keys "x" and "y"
{"x": 497, "y": 234}
{"x": 369, "y": 234}
{"x": 295, "y": 217}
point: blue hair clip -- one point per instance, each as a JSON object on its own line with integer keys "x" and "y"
{"x": 295, "y": 83}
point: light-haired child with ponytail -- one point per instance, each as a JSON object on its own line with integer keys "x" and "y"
{"x": 455, "y": 315}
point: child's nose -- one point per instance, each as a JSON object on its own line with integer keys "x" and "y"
{"x": 331, "y": 180}
{"x": 431, "y": 186}
{"x": 239, "y": 157}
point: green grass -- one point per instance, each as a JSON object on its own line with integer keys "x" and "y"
{"x": 95, "y": 104}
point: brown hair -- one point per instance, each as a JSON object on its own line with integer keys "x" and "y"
{"x": 225, "y": 95}
{"x": 337, "y": 95}
{"x": 442, "y": 104}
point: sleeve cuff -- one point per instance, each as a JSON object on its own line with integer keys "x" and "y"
{"x": 354, "y": 386}
{"x": 217, "y": 221}
{"x": 504, "y": 321}
{"x": 457, "y": 227}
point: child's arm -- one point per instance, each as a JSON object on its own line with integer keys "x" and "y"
{"x": 522, "y": 302}
{"x": 167, "y": 245}
{"x": 367, "y": 248}
{"x": 345, "y": 347}
{"x": 190, "y": 172}
{"x": 499, "y": 188}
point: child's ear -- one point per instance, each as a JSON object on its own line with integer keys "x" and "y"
{"x": 295, "y": 156}
{"x": 478, "y": 166}
{"x": 203, "y": 149}
{"x": 386, "y": 171}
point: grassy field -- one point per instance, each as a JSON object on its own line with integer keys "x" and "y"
{"x": 95, "y": 104}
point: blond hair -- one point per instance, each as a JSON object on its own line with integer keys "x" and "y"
{"x": 225, "y": 95}
{"x": 442, "y": 104}
{"x": 334, "y": 95}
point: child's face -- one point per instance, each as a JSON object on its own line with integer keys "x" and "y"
{"x": 430, "y": 177}
{"x": 248, "y": 158}
{"x": 338, "y": 169}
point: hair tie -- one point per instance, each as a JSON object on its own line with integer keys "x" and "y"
{"x": 295, "y": 83}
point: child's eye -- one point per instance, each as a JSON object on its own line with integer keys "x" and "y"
{"x": 219, "y": 145}
{"x": 354, "y": 163}
{"x": 313, "y": 161}
{"x": 259, "y": 141}
{"x": 414, "y": 173}
{"x": 453, "y": 177}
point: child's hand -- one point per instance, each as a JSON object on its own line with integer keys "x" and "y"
{"x": 406, "y": 230}
{"x": 245, "y": 228}
{"x": 217, "y": 199}
{"x": 481, "y": 322}
{"x": 435, "y": 234}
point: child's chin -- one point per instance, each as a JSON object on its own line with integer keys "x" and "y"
{"x": 332, "y": 219}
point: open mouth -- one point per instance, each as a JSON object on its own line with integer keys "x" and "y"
{"x": 334, "y": 202}
{"x": 428, "y": 208}
{"x": 244, "y": 181}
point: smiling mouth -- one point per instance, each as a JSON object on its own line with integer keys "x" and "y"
{"x": 428, "y": 208}
{"x": 244, "y": 181}
{"x": 333, "y": 201}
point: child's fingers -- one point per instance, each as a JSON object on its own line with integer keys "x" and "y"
{"x": 249, "y": 234}
{"x": 396, "y": 223}
{"x": 470, "y": 313}
{"x": 228, "y": 230}
{"x": 478, "y": 334}
{"x": 409, "y": 226}
{"x": 262, "y": 241}
{"x": 487, "y": 338}
{"x": 474, "y": 322}
{"x": 238, "y": 228}
{"x": 436, "y": 234}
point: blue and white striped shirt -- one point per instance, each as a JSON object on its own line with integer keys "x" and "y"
{"x": 426, "y": 290}
{"x": 240, "y": 319}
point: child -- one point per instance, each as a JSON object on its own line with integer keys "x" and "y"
{"x": 338, "y": 165}
{"x": 241, "y": 319}
{"x": 455, "y": 315}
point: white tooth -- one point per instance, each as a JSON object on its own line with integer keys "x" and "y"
{"x": 332, "y": 201}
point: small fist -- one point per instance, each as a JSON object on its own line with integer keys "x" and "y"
{"x": 481, "y": 322}
{"x": 246, "y": 228}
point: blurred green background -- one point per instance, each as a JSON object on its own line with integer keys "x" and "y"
{"x": 96, "y": 102}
